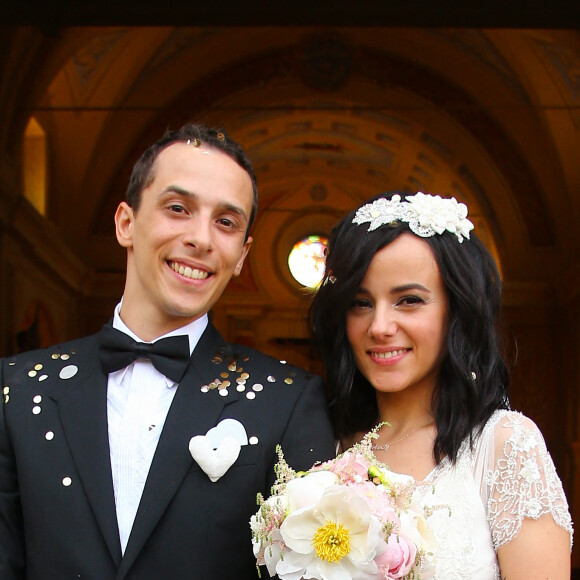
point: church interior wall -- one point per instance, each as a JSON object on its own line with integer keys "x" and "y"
{"x": 501, "y": 132}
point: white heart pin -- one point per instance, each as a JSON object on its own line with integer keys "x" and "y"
{"x": 227, "y": 428}
{"x": 214, "y": 462}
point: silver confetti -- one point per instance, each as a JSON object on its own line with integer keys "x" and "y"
{"x": 68, "y": 372}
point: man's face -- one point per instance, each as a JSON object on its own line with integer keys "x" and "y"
{"x": 186, "y": 240}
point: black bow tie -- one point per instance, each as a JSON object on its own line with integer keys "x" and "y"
{"x": 169, "y": 356}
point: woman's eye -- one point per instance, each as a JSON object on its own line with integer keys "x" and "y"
{"x": 410, "y": 301}
{"x": 360, "y": 303}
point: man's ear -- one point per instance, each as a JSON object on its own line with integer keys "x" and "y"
{"x": 124, "y": 217}
{"x": 243, "y": 255}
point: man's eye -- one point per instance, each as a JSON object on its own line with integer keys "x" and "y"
{"x": 176, "y": 208}
{"x": 228, "y": 223}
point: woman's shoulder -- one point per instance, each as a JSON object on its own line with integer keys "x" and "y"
{"x": 518, "y": 476}
{"x": 510, "y": 427}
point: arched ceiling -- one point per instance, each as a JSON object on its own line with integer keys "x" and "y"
{"x": 489, "y": 116}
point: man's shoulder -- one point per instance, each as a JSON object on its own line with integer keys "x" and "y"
{"x": 61, "y": 351}
{"x": 275, "y": 370}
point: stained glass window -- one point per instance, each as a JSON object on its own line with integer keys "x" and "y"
{"x": 306, "y": 260}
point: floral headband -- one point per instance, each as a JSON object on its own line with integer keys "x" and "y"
{"x": 426, "y": 215}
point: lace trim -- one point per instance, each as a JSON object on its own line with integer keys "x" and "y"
{"x": 523, "y": 482}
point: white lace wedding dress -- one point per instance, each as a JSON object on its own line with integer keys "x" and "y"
{"x": 479, "y": 503}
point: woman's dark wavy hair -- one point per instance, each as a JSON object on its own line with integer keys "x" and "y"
{"x": 461, "y": 405}
{"x": 218, "y": 138}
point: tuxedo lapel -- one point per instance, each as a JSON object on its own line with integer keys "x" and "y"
{"x": 192, "y": 412}
{"x": 82, "y": 406}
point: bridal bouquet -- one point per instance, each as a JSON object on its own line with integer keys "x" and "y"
{"x": 348, "y": 518}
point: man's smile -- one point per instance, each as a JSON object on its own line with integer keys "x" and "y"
{"x": 188, "y": 272}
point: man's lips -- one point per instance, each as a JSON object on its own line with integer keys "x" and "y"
{"x": 188, "y": 271}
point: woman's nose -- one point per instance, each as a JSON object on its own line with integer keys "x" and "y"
{"x": 383, "y": 323}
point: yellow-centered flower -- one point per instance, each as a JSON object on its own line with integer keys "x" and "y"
{"x": 331, "y": 542}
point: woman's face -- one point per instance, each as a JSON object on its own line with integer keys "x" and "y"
{"x": 397, "y": 324}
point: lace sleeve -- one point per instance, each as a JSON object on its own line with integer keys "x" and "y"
{"x": 521, "y": 480}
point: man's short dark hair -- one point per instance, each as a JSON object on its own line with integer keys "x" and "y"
{"x": 144, "y": 173}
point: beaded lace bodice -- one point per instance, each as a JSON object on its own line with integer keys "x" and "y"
{"x": 480, "y": 502}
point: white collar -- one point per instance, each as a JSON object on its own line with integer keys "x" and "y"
{"x": 193, "y": 329}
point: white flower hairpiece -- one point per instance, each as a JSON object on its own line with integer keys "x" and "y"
{"x": 426, "y": 215}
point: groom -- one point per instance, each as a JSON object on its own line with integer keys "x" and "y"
{"x": 121, "y": 459}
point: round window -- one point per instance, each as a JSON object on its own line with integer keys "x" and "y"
{"x": 306, "y": 260}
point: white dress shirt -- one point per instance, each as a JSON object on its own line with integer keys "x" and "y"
{"x": 138, "y": 400}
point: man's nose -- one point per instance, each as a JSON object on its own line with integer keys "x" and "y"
{"x": 199, "y": 234}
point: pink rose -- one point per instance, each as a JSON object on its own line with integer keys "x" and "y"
{"x": 348, "y": 466}
{"x": 379, "y": 502}
{"x": 399, "y": 557}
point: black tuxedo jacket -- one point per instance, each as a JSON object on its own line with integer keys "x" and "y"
{"x": 57, "y": 506}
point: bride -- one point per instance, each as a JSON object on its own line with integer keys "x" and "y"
{"x": 405, "y": 322}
